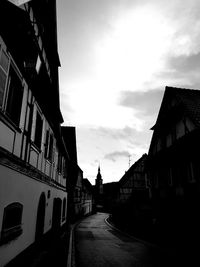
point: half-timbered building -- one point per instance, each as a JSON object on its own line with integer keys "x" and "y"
{"x": 134, "y": 181}
{"x": 33, "y": 158}
{"x": 173, "y": 159}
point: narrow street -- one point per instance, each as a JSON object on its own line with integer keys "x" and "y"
{"x": 97, "y": 244}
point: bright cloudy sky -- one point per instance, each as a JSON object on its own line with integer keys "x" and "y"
{"x": 116, "y": 57}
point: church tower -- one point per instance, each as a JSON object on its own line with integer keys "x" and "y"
{"x": 99, "y": 183}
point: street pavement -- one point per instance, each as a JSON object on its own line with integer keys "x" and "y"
{"x": 97, "y": 244}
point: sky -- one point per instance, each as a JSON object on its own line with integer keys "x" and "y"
{"x": 116, "y": 57}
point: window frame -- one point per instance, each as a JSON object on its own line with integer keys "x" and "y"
{"x": 64, "y": 209}
{"x": 190, "y": 172}
{"x": 37, "y": 143}
{"x": 3, "y": 49}
{"x": 49, "y": 145}
{"x": 60, "y": 163}
{"x": 10, "y": 232}
{"x": 9, "y": 91}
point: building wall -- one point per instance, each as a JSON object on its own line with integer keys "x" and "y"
{"x": 87, "y": 207}
{"x": 173, "y": 171}
{"x": 32, "y": 159}
{"x": 16, "y": 187}
{"x": 133, "y": 179}
{"x": 169, "y": 137}
{"x": 15, "y": 136}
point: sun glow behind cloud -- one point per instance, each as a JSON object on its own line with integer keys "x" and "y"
{"x": 125, "y": 59}
{"x": 95, "y": 106}
{"x": 134, "y": 50}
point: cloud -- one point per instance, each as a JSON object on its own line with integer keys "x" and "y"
{"x": 146, "y": 103}
{"x": 127, "y": 138}
{"x": 185, "y": 69}
{"x": 116, "y": 154}
{"x": 185, "y": 64}
{"x": 116, "y": 48}
{"x": 117, "y": 56}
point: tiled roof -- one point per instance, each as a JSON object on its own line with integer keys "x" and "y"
{"x": 190, "y": 99}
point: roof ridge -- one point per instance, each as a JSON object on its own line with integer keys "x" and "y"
{"x": 182, "y": 88}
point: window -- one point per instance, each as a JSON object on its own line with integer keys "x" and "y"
{"x": 11, "y": 89}
{"x": 12, "y": 217}
{"x": 59, "y": 163}
{"x": 15, "y": 95}
{"x": 64, "y": 210}
{"x": 62, "y": 165}
{"x": 48, "y": 153}
{"x": 2, "y": 85}
{"x": 38, "y": 130}
{"x": 190, "y": 172}
{"x": 4, "y": 63}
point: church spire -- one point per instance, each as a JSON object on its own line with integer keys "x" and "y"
{"x": 99, "y": 173}
{"x": 99, "y": 181}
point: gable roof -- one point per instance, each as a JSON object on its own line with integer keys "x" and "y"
{"x": 188, "y": 99}
{"x": 128, "y": 174}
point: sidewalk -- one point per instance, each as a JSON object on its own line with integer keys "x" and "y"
{"x": 71, "y": 249}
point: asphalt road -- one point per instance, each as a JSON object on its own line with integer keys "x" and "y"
{"x": 97, "y": 245}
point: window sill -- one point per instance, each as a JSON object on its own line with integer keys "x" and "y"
{"x": 10, "y": 234}
{"x": 49, "y": 160}
{"x": 35, "y": 147}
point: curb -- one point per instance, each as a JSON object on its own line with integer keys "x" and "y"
{"x": 69, "y": 257}
{"x": 71, "y": 250}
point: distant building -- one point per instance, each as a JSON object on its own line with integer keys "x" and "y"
{"x": 134, "y": 182}
{"x": 87, "y": 197}
{"x": 75, "y": 174}
{"x": 75, "y": 194}
{"x": 80, "y": 194}
{"x": 33, "y": 157}
{"x": 132, "y": 208}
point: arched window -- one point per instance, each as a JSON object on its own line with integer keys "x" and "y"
{"x": 12, "y": 222}
{"x": 64, "y": 209}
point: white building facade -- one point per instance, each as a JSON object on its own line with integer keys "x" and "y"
{"x": 33, "y": 158}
